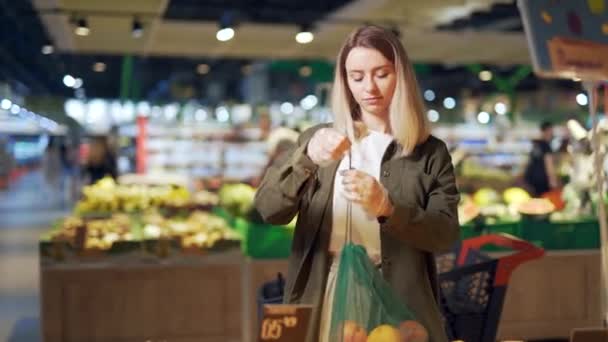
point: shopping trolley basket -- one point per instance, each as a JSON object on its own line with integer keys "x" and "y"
{"x": 473, "y": 285}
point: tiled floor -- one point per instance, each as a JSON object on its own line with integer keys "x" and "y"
{"x": 26, "y": 210}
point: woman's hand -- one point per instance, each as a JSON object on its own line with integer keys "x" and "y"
{"x": 361, "y": 188}
{"x": 327, "y": 145}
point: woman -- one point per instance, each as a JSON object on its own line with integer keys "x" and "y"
{"x": 408, "y": 199}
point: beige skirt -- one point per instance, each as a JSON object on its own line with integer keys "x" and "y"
{"x": 328, "y": 301}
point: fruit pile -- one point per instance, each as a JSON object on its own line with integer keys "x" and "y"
{"x": 200, "y": 229}
{"x": 102, "y": 233}
{"x": 95, "y": 233}
{"x": 508, "y": 207}
{"x": 408, "y": 331}
{"x": 237, "y": 199}
{"x": 107, "y": 196}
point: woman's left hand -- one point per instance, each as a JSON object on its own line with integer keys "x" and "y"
{"x": 359, "y": 187}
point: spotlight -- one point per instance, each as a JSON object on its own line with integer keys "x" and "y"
{"x": 225, "y": 34}
{"x": 69, "y": 81}
{"x": 429, "y": 95}
{"x": 77, "y": 83}
{"x": 500, "y": 108}
{"x": 305, "y": 35}
{"x": 137, "y": 29}
{"x": 99, "y": 67}
{"x": 305, "y": 71}
{"x": 202, "y": 69}
{"x": 433, "y": 115}
{"x": 483, "y": 117}
{"x": 485, "y": 75}
{"x": 6, "y": 104}
{"x": 449, "y": 103}
{"x": 47, "y": 49}
{"x": 82, "y": 28}
{"x": 582, "y": 99}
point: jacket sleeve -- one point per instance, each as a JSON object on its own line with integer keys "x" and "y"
{"x": 434, "y": 228}
{"x": 278, "y": 197}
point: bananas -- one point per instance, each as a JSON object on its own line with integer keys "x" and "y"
{"x": 107, "y": 196}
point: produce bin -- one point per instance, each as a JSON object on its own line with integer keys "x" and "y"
{"x": 583, "y": 234}
{"x": 264, "y": 241}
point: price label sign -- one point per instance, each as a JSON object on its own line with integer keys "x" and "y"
{"x": 285, "y": 323}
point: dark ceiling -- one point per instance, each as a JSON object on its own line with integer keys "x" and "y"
{"x": 32, "y": 73}
{"x": 260, "y": 11}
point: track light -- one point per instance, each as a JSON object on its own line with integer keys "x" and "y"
{"x": 224, "y": 34}
{"x": 47, "y": 49}
{"x": 82, "y": 28}
{"x": 137, "y": 28}
{"x": 225, "y": 31}
{"x": 305, "y": 35}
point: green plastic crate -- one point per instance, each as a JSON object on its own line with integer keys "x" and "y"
{"x": 583, "y": 234}
{"x": 264, "y": 241}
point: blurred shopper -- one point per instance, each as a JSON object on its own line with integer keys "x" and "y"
{"x": 6, "y": 162}
{"x": 540, "y": 174}
{"x": 51, "y": 166}
{"x": 402, "y": 186}
{"x": 101, "y": 161}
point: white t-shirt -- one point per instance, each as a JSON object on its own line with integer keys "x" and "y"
{"x": 367, "y": 156}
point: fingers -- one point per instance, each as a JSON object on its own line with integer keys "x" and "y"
{"x": 332, "y": 144}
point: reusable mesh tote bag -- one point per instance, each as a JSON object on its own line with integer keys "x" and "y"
{"x": 365, "y": 308}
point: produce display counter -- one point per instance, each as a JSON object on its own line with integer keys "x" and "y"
{"x": 193, "y": 274}
{"x": 180, "y": 298}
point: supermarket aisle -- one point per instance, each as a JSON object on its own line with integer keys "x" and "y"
{"x": 26, "y": 210}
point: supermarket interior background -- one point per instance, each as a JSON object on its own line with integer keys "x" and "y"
{"x": 133, "y": 135}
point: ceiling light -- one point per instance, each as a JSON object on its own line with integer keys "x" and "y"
{"x": 137, "y": 29}
{"x": 309, "y": 102}
{"x": 305, "y": 71}
{"x": 287, "y": 107}
{"x": 222, "y": 114}
{"x": 305, "y": 35}
{"x": 77, "y": 83}
{"x": 82, "y": 28}
{"x": 429, "y": 95}
{"x": 500, "y": 108}
{"x": 225, "y": 34}
{"x": 99, "y": 67}
{"x": 47, "y": 49}
{"x": 483, "y": 117}
{"x": 449, "y": 103}
{"x": 582, "y": 99}
{"x": 202, "y": 69}
{"x": 200, "y": 114}
{"x": 433, "y": 115}
{"x": 69, "y": 81}
{"x": 15, "y": 109}
{"x": 485, "y": 75}
{"x": 6, "y": 104}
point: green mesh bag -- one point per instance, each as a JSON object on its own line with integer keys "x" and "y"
{"x": 365, "y": 308}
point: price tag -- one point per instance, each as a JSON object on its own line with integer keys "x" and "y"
{"x": 285, "y": 323}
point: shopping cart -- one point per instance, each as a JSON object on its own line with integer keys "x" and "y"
{"x": 473, "y": 285}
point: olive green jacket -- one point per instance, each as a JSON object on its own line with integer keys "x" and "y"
{"x": 423, "y": 191}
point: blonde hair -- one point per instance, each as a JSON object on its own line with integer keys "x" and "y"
{"x": 408, "y": 122}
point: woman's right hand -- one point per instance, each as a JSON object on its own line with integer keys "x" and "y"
{"x": 327, "y": 145}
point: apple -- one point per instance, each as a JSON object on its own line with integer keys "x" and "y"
{"x": 352, "y": 332}
{"x": 412, "y": 331}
